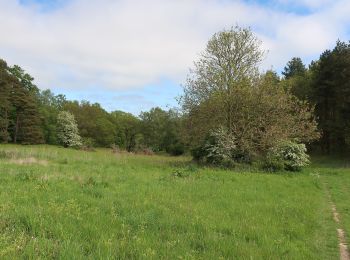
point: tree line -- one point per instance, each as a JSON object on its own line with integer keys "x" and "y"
{"x": 29, "y": 115}
{"x": 326, "y": 85}
{"x": 228, "y": 107}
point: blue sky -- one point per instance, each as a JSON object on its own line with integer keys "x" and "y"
{"x": 132, "y": 55}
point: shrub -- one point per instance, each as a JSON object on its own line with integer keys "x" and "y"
{"x": 287, "y": 155}
{"x": 219, "y": 148}
{"x": 176, "y": 149}
{"x": 67, "y": 130}
{"x": 198, "y": 153}
{"x": 271, "y": 163}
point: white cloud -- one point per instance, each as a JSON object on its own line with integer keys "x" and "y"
{"x": 121, "y": 44}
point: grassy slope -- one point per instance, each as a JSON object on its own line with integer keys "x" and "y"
{"x": 100, "y": 205}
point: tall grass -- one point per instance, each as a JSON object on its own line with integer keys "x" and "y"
{"x": 101, "y": 205}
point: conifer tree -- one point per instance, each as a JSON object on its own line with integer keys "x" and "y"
{"x": 26, "y": 121}
{"x": 331, "y": 95}
{"x": 5, "y": 104}
{"x": 295, "y": 67}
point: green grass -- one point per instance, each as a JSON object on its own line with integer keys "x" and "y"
{"x": 336, "y": 175}
{"x": 70, "y": 204}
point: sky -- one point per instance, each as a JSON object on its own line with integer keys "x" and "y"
{"x": 132, "y": 55}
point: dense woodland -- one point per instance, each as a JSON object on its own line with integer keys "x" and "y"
{"x": 319, "y": 92}
{"x": 29, "y": 116}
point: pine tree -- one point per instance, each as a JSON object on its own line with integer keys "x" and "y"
{"x": 295, "y": 67}
{"x": 31, "y": 132}
{"x": 331, "y": 94}
{"x": 26, "y": 122}
{"x": 26, "y": 80}
{"x": 5, "y": 104}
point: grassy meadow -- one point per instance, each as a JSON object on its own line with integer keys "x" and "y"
{"x": 68, "y": 204}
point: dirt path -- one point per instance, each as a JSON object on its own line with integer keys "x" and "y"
{"x": 343, "y": 248}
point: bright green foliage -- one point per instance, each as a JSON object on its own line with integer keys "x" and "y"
{"x": 49, "y": 107}
{"x": 93, "y": 122}
{"x": 67, "y": 130}
{"x": 230, "y": 60}
{"x": 288, "y": 155}
{"x": 161, "y": 130}
{"x": 128, "y": 131}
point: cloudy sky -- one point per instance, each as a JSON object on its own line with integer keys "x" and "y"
{"x": 134, "y": 54}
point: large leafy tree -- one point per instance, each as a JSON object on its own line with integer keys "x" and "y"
{"x": 95, "y": 124}
{"x": 161, "y": 130}
{"x": 49, "y": 106}
{"x": 225, "y": 90}
{"x": 230, "y": 61}
{"x": 128, "y": 130}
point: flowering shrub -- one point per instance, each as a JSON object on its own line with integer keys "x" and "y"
{"x": 219, "y": 148}
{"x": 287, "y": 155}
{"x": 67, "y": 130}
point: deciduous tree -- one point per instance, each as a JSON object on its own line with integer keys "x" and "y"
{"x": 225, "y": 90}
{"x": 67, "y": 130}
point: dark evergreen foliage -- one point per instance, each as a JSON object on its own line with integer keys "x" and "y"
{"x": 5, "y": 103}
{"x": 295, "y": 67}
{"x": 331, "y": 95}
{"x": 20, "y": 119}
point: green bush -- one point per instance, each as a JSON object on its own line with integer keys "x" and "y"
{"x": 88, "y": 144}
{"x": 219, "y": 148}
{"x": 198, "y": 153}
{"x": 287, "y": 155}
{"x": 271, "y": 164}
{"x": 176, "y": 149}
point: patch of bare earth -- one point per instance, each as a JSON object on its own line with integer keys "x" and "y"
{"x": 29, "y": 160}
